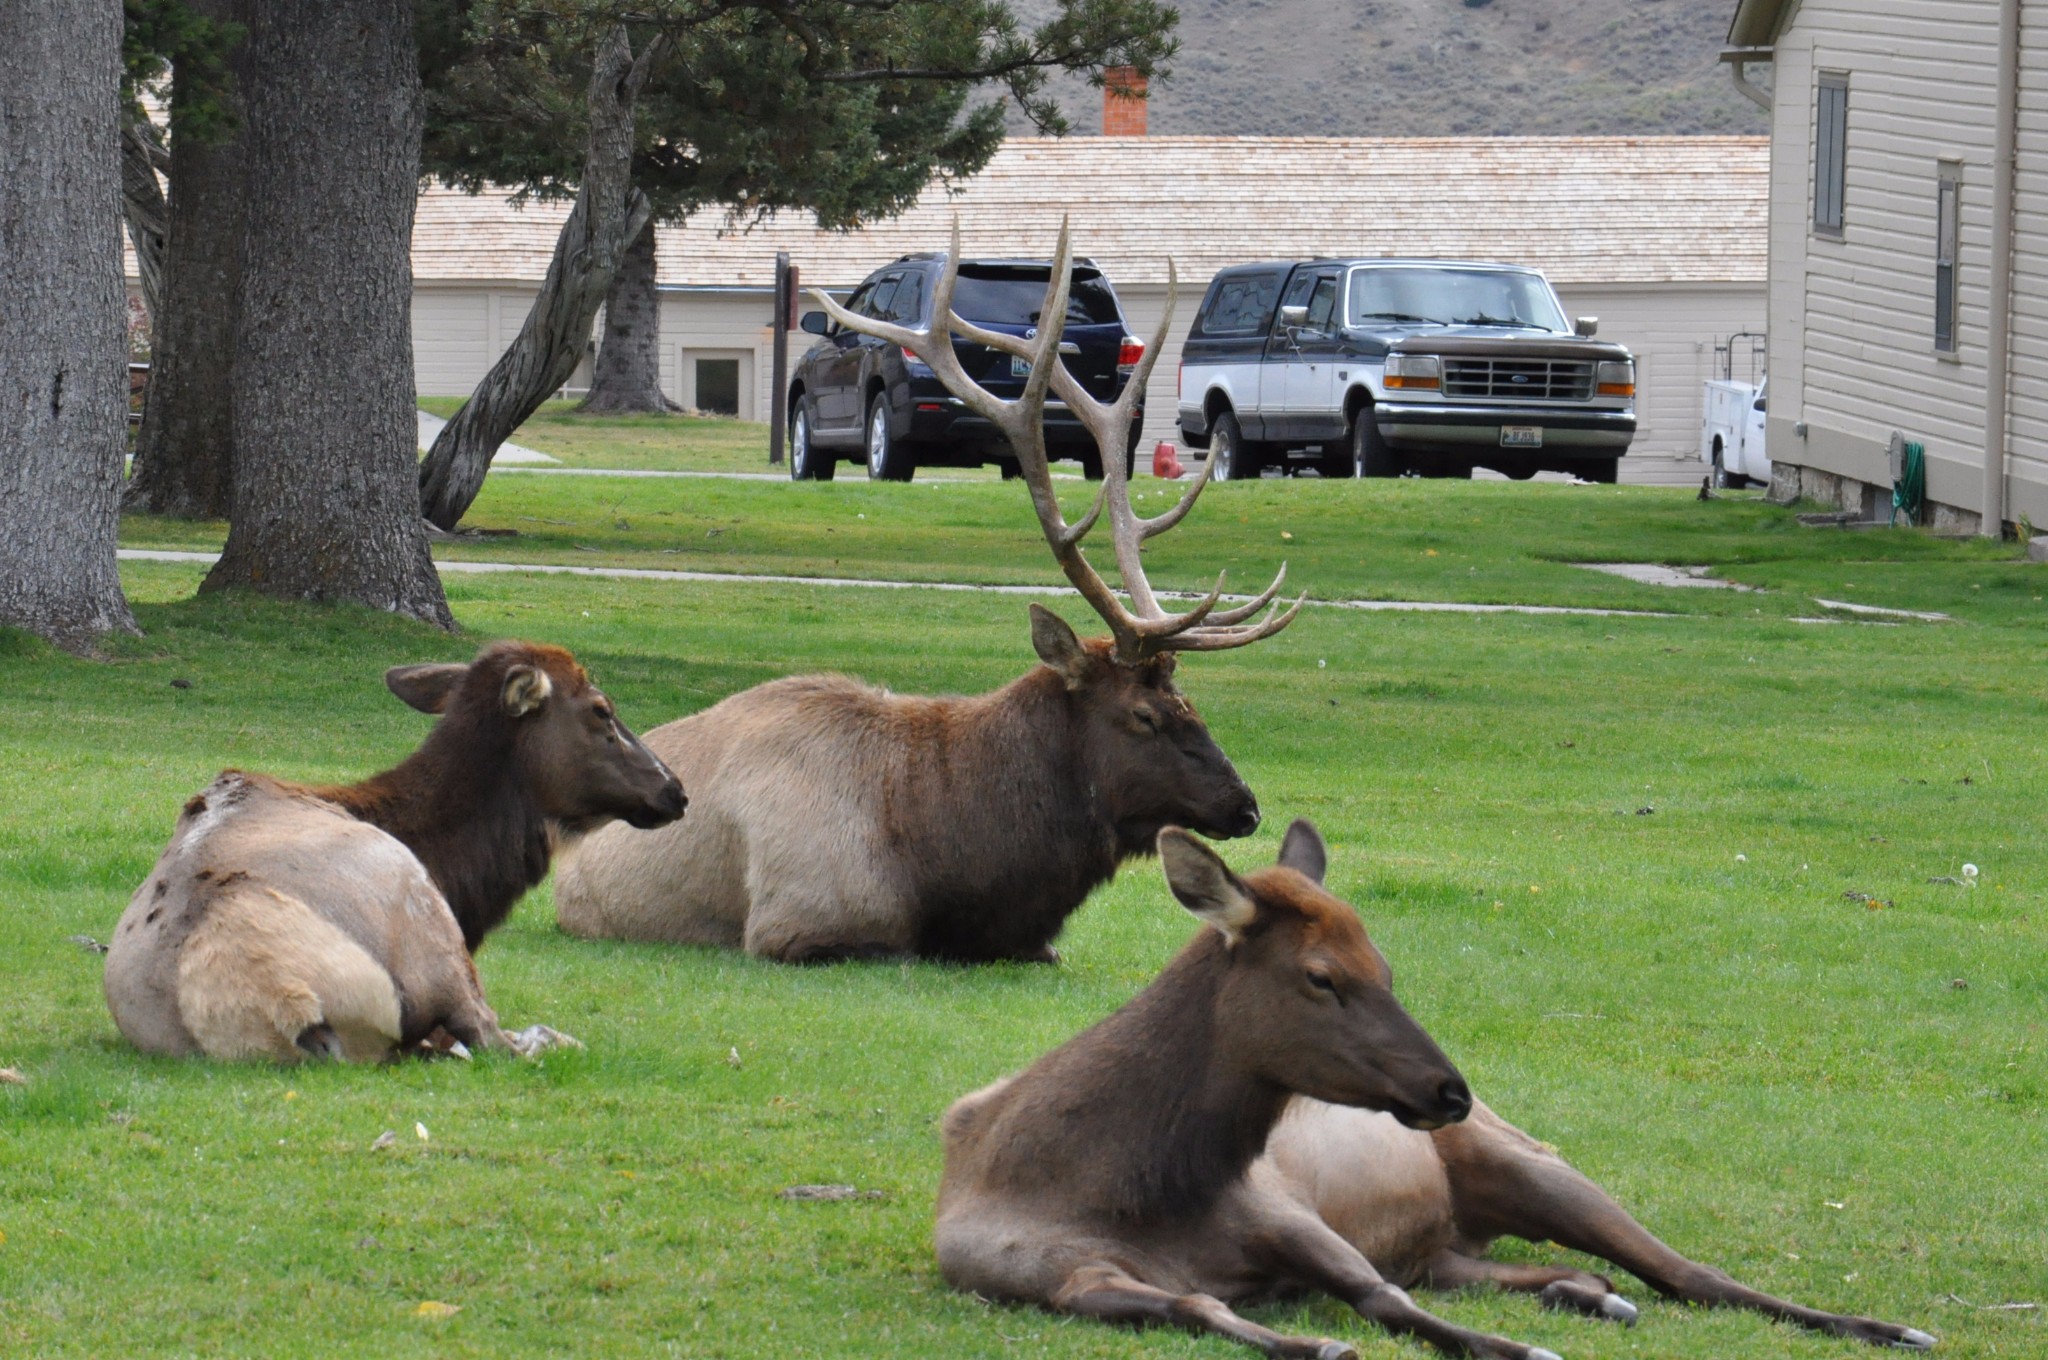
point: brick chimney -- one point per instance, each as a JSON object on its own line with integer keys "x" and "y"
{"x": 1123, "y": 102}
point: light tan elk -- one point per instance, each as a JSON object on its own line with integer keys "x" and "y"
{"x": 287, "y": 921}
{"x": 832, "y": 820}
{"x": 1179, "y": 1157}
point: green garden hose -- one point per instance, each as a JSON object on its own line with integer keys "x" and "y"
{"x": 1911, "y": 487}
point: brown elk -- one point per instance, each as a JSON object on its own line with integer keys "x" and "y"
{"x": 1266, "y": 1119}
{"x": 835, "y": 820}
{"x": 286, "y": 920}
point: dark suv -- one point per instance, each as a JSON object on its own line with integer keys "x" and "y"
{"x": 854, "y": 396}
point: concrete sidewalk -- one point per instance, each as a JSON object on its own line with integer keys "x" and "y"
{"x": 431, "y": 426}
{"x": 859, "y": 583}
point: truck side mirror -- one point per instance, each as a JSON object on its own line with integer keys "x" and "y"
{"x": 1292, "y": 318}
{"x": 814, "y": 323}
{"x": 1758, "y": 404}
{"x": 1585, "y": 325}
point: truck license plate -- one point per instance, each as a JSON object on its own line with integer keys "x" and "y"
{"x": 1019, "y": 368}
{"x": 1521, "y": 436}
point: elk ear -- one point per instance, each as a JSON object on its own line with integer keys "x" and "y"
{"x": 425, "y": 687}
{"x": 1204, "y": 883}
{"x": 1303, "y": 851}
{"x": 526, "y": 689}
{"x": 1057, "y": 646}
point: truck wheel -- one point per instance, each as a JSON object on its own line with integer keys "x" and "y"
{"x": 1723, "y": 478}
{"x": 1370, "y": 456}
{"x": 1606, "y": 470}
{"x": 1231, "y": 459}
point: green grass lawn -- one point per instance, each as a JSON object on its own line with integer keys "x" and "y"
{"x": 1612, "y": 861}
{"x": 665, "y": 443}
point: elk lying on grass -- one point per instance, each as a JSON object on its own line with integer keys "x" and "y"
{"x": 285, "y": 920}
{"x": 835, "y": 820}
{"x": 1180, "y": 1157}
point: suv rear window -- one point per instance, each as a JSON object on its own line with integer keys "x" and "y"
{"x": 1010, "y": 295}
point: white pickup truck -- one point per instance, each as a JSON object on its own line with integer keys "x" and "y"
{"x": 1732, "y": 433}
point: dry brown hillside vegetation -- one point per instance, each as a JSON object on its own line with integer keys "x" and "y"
{"x": 1428, "y": 68}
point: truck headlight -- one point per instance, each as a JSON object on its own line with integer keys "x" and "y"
{"x": 1412, "y": 372}
{"x": 1616, "y": 378}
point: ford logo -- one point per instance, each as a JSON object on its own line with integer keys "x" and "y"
{"x": 1519, "y": 377}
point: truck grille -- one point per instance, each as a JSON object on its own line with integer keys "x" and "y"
{"x": 1519, "y": 379}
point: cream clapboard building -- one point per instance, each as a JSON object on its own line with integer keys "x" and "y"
{"x": 1908, "y": 277}
{"x": 1662, "y": 238}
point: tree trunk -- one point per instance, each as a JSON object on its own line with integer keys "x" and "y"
{"x": 142, "y": 204}
{"x": 627, "y": 376}
{"x": 609, "y": 212}
{"x": 63, "y": 342}
{"x": 184, "y": 452}
{"x": 325, "y": 506}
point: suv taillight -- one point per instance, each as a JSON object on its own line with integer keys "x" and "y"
{"x": 1129, "y": 354}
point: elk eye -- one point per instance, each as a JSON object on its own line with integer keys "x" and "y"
{"x": 1321, "y": 982}
{"x": 1147, "y": 718}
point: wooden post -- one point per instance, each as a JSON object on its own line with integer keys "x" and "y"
{"x": 778, "y": 383}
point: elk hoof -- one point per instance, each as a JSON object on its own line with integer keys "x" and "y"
{"x": 1615, "y": 1308}
{"x": 1336, "y": 1350}
{"x": 535, "y": 1040}
{"x": 1913, "y": 1339}
{"x": 1538, "y": 1353}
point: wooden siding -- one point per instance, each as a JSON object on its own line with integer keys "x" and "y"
{"x": 459, "y": 332}
{"x": 1853, "y": 319}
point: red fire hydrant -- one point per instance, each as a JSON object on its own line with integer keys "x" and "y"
{"x": 1166, "y": 460}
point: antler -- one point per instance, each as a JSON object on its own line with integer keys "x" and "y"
{"x": 1145, "y": 628}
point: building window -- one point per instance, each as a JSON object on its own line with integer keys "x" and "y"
{"x": 1830, "y": 130}
{"x": 1948, "y": 194}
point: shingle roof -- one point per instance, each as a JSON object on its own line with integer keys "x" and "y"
{"x": 1585, "y": 209}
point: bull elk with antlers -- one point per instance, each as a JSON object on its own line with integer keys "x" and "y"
{"x": 830, "y": 819}
{"x": 1179, "y": 1157}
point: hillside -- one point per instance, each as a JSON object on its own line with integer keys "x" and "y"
{"x": 1417, "y": 68}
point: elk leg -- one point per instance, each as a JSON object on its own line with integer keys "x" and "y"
{"x": 1561, "y": 1287}
{"x": 1108, "y": 1294}
{"x": 1297, "y": 1246}
{"x": 1505, "y": 1183}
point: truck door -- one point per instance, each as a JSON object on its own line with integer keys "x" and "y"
{"x": 1312, "y": 377}
{"x": 1283, "y": 356}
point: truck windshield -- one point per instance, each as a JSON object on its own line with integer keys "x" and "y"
{"x": 1442, "y": 295}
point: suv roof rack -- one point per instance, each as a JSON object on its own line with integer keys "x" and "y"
{"x": 986, "y": 259}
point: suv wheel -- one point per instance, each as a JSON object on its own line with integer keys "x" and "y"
{"x": 1230, "y": 458}
{"x": 1370, "y": 456}
{"x": 807, "y": 462}
{"x": 1605, "y": 470}
{"x": 887, "y": 460}
{"x": 1091, "y": 465}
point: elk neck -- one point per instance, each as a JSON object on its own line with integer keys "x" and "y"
{"x": 1169, "y": 1119}
{"x": 459, "y": 804}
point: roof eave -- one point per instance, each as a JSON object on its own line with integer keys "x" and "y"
{"x": 1757, "y": 23}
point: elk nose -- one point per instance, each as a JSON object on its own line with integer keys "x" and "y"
{"x": 1247, "y": 819}
{"x": 671, "y": 800}
{"x": 1455, "y": 1097}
